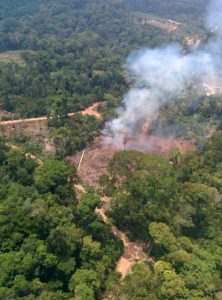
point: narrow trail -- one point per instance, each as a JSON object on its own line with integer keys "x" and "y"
{"x": 133, "y": 251}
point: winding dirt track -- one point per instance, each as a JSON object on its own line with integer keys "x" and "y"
{"x": 133, "y": 251}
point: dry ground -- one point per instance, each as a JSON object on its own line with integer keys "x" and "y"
{"x": 168, "y": 25}
{"x": 97, "y": 156}
{"x": 95, "y": 163}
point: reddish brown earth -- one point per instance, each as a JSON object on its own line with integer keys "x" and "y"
{"x": 95, "y": 161}
{"x": 134, "y": 252}
{"x": 98, "y": 155}
{"x": 158, "y": 145}
{"x": 92, "y": 110}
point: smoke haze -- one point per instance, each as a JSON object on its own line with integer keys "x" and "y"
{"x": 160, "y": 74}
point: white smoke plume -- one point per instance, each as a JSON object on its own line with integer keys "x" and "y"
{"x": 161, "y": 73}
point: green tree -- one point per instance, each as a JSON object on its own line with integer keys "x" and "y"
{"x": 163, "y": 238}
{"x": 84, "y": 277}
{"x": 172, "y": 285}
{"x": 56, "y": 177}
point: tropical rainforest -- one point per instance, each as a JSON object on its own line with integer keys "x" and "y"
{"x": 62, "y": 56}
{"x": 51, "y": 246}
{"x": 73, "y": 49}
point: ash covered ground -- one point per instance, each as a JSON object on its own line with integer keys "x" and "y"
{"x": 97, "y": 156}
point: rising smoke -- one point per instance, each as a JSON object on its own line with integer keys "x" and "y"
{"x": 160, "y": 73}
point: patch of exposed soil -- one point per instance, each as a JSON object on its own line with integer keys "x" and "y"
{"x": 158, "y": 145}
{"x": 97, "y": 156}
{"x": 133, "y": 251}
{"x": 49, "y": 147}
{"x": 92, "y": 110}
{"x": 94, "y": 162}
{"x": 168, "y": 25}
{"x": 79, "y": 189}
{"x": 37, "y": 128}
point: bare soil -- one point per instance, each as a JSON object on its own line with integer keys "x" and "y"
{"x": 92, "y": 110}
{"x": 134, "y": 252}
{"x": 158, "y": 145}
{"x": 168, "y": 25}
{"x": 97, "y": 156}
{"x": 95, "y": 163}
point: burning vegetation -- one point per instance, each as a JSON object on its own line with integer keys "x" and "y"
{"x": 95, "y": 160}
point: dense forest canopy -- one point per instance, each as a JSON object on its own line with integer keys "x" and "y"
{"x": 55, "y": 247}
{"x": 168, "y": 8}
{"x": 50, "y": 248}
{"x": 58, "y": 56}
{"x": 173, "y": 205}
{"x": 75, "y": 48}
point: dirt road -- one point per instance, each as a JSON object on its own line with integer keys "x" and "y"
{"x": 91, "y": 111}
